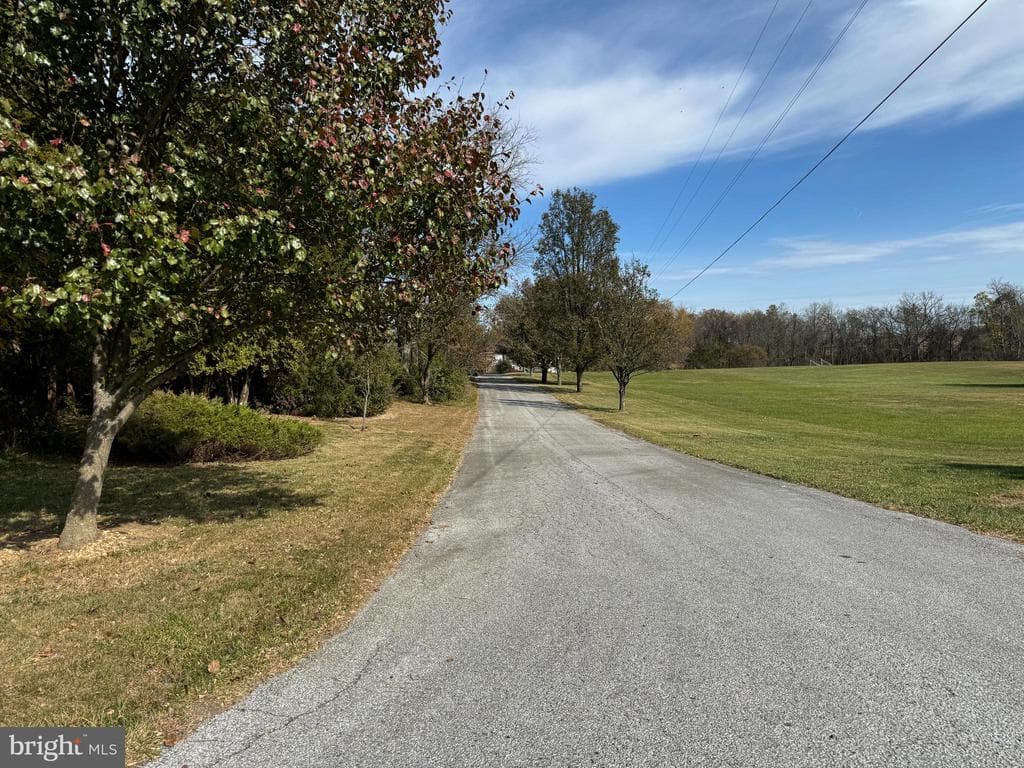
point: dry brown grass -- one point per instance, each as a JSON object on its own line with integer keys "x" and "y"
{"x": 207, "y": 579}
{"x": 1011, "y": 499}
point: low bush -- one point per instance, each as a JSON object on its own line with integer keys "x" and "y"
{"x": 502, "y": 366}
{"x": 407, "y": 384}
{"x": 448, "y": 383}
{"x": 187, "y": 428}
{"x": 317, "y": 385}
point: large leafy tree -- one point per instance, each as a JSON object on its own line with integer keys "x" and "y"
{"x": 176, "y": 172}
{"x": 513, "y": 327}
{"x": 527, "y": 321}
{"x": 576, "y": 255}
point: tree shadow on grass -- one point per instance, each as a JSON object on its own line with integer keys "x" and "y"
{"x": 1005, "y": 471}
{"x": 603, "y": 409}
{"x": 980, "y": 385}
{"x": 37, "y": 493}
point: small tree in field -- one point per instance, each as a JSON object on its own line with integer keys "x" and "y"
{"x": 640, "y": 333}
{"x": 176, "y": 173}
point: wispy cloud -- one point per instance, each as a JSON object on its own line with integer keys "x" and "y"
{"x": 999, "y": 209}
{"x": 619, "y": 94}
{"x": 809, "y": 253}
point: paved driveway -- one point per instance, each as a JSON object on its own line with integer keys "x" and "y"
{"x": 584, "y": 598}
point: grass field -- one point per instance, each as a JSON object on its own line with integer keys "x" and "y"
{"x": 944, "y": 440}
{"x": 208, "y": 578}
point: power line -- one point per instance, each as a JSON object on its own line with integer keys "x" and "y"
{"x": 831, "y": 152}
{"x": 764, "y": 140}
{"x": 732, "y": 133}
{"x": 714, "y": 128}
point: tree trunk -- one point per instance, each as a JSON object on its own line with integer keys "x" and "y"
{"x": 425, "y": 375}
{"x": 51, "y": 390}
{"x": 622, "y": 396}
{"x": 543, "y": 374}
{"x": 558, "y": 372}
{"x": 108, "y": 416}
{"x": 425, "y": 386}
{"x": 579, "y": 379}
{"x": 366, "y": 400}
{"x": 243, "y": 396}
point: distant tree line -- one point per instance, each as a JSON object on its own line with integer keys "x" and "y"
{"x": 918, "y": 328}
{"x": 584, "y": 309}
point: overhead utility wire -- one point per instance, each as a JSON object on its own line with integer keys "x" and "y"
{"x": 714, "y": 128}
{"x": 732, "y": 133}
{"x": 831, "y": 152}
{"x": 764, "y": 140}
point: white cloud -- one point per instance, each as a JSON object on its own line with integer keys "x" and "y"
{"x": 806, "y": 253}
{"x": 999, "y": 209}
{"x": 612, "y": 100}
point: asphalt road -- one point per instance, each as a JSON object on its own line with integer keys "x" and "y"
{"x": 584, "y": 598}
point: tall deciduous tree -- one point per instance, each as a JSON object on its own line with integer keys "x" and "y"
{"x": 639, "y": 332}
{"x": 514, "y": 328}
{"x": 576, "y": 252}
{"x": 528, "y": 325}
{"x": 175, "y": 172}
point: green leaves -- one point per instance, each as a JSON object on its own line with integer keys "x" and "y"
{"x": 171, "y": 172}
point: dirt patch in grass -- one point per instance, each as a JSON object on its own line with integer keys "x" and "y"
{"x": 207, "y": 579}
{"x": 1011, "y": 499}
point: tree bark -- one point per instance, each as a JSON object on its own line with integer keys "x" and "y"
{"x": 111, "y": 408}
{"x": 108, "y": 416}
{"x": 425, "y": 385}
{"x": 558, "y": 372}
{"x": 543, "y": 374}
{"x": 366, "y": 400}
{"x": 51, "y": 390}
{"x": 243, "y": 396}
{"x": 425, "y": 375}
{"x": 579, "y": 379}
{"x": 622, "y": 396}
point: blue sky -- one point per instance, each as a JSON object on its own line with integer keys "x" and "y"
{"x": 622, "y": 97}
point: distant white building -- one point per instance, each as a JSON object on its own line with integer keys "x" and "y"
{"x": 498, "y": 358}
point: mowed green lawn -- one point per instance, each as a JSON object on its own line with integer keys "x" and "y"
{"x": 944, "y": 440}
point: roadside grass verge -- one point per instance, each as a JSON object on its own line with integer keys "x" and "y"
{"x": 942, "y": 440}
{"x": 208, "y": 578}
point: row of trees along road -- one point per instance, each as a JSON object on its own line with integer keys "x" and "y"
{"x": 175, "y": 176}
{"x": 584, "y": 308}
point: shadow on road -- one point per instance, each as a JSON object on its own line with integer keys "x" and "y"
{"x": 535, "y": 404}
{"x": 504, "y": 381}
